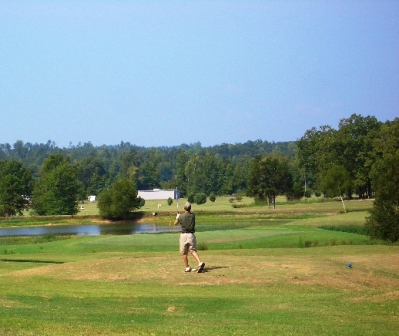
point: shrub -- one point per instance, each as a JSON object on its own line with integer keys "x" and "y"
{"x": 308, "y": 194}
{"x": 118, "y": 201}
{"x": 190, "y": 198}
{"x": 202, "y": 246}
{"x": 200, "y": 198}
{"x": 141, "y": 201}
{"x": 212, "y": 197}
{"x": 308, "y": 243}
{"x": 170, "y": 201}
{"x": 238, "y": 198}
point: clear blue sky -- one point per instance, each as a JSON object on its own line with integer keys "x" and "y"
{"x": 163, "y": 73}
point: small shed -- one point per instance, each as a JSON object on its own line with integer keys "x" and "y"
{"x": 159, "y": 194}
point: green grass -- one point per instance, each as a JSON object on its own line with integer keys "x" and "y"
{"x": 267, "y": 273}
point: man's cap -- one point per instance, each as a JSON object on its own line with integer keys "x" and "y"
{"x": 187, "y": 206}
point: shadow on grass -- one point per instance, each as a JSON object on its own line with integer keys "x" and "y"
{"x": 212, "y": 268}
{"x": 33, "y": 261}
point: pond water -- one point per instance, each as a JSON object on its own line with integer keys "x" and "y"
{"x": 87, "y": 230}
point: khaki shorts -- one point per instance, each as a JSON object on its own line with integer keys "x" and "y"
{"x": 187, "y": 243}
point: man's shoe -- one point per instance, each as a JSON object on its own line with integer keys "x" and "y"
{"x": 201, "y": 267}
{"x": 188, "y": 269}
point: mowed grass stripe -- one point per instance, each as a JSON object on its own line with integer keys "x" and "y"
{"x": 276, "y": 290}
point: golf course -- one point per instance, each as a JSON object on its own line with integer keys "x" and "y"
{"x": 304, "y": 268}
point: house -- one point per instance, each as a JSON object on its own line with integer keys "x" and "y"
{"x": 92, "y": 198}
{"x": 159, "y": 194}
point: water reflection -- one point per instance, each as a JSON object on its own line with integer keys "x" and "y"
{"x": 87, "y": 230}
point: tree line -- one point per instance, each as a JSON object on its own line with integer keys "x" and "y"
{"x": 355, "y": 159}
{"x": 221, "y": 169}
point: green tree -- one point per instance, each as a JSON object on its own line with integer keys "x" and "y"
{"x": 240, "y": 175}
{"x": 335, "y": 181}
{"x": 92, "y": 174}
{"x": 119, "y": 201}
{"x": 150, "y": 170}
{"x": 57, "y": 190}
{"x": 353, "y": 145}
{"x": 182, "y": 178}
{"x": 125, "y": 164}
{"x": 16, "y": 184}
{"x": 227, "y": 183}
{"x": 268, "y": 178}
{"x": 314, "y": 152}
{"x": 350, "y": 147}
{"x": 383, "y": 221}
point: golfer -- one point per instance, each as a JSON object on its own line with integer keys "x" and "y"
{"x": 187, "y": 241}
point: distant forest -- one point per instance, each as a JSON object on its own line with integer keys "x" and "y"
{"x": 360, "y": 158}
{"x": 219, "y": 169}
{"x": 334, "y": 162}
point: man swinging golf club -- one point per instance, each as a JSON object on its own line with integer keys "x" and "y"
{"x": 187, "y": 241}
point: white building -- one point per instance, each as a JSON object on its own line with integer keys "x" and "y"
{"x": 159, "y": 194}
{"x": 92, "y": 198}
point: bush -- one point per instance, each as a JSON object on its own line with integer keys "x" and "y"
{"x": 170, "y": 201}
{"x": 200, "y": 198}
{"x": 202, "y": 246}
{"x": 212, "y": 197}
{"x": 118, "y": 201}
{"x": 141, "y": 201}
{"x": 190, "y": 198}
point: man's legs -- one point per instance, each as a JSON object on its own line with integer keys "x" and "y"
{"x": 196, "y": 257}
{"x": 185, "y": 260}
{"x": 201, "y": 265}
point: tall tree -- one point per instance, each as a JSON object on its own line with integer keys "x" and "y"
{"x": 16, "y": 183}
{"x": 57, "y": 190}
{"x": 353, "y": 145}
{"x": 314, "y": 152}
{"x": 269, "y": 177}
{"x": 92, "y": 174}
{"x": 383, "y": 221}
{"x": 336, "y": 181}
{"x": 227, "y": 182}
{"x": 182, "y": 177}
{"x": 119, "y": 201}
{"x": 149, "y": 173}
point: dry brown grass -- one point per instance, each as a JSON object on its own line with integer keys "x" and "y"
{"x": 375, "y": 273}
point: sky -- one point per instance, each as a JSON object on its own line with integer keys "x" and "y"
{"x": 166, "y": 73}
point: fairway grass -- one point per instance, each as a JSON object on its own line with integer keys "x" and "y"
{"x": 265, "y": 275}
{"x": 242, "y": 292}
{"x": 222, "y": 204}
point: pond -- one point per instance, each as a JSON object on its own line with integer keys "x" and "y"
{"x": 87, "y": 230}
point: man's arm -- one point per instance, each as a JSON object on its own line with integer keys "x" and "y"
{"x": 177, "y": 219}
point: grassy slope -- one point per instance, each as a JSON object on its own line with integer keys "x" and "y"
{"x": 134, "y": 285}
